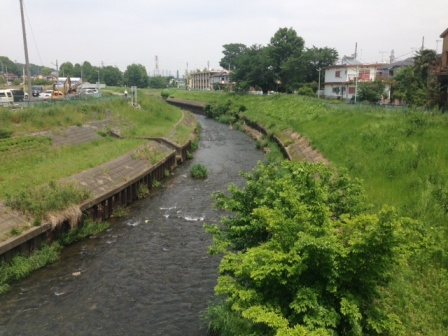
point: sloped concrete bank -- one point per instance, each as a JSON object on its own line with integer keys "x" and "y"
{"x": 112, "y": 185}
{"x": 298, "y": 148}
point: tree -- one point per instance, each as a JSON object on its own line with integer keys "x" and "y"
{"x": 284, "y": 64}
{"x": 254, "y": 69}
{"x": 231, "y": 53}
{"x": 136, "y": 75}
{"x": 371, "y": 92}
{"x": 415, "y": 85}
{"x": 301, "y": 255}
{"x": 158, "y": 82}
{"x": 285, "y": 48}
{"x": 66, "y": 69}
{"x": 10, "y": 66}
{"x": 423, "y": 62}
{"x": 112, "y": 76}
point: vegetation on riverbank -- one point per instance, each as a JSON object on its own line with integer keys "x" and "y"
{"x": 27, "y": 161}
{"x": 21, "y": 266}
{"x": 402, "y": 157}
{"x": 30, "y": 163}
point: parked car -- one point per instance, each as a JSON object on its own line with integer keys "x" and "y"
{"x": 51, "y": 94}
{"x": 45, "y": 94}
{"x": 19, "y": 95}
{"x": 6, "y": 97}
{"x": 90, "y": 91}
{"x": 36, "y": 90}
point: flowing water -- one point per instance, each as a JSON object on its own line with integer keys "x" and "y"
{"x": 150, "y": 273}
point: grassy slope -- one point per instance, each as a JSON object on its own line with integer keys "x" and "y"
{"x": 24, "y": 168}
{"x": 402, "y": 156}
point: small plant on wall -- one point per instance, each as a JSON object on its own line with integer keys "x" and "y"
{"x": 198, "y": 171}
{"x": 142, "y": 191}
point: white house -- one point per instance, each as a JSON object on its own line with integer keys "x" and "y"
{"x": 341, "y": 80}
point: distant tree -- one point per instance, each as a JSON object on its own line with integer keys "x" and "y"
{"x": 136, "y": 75}
{"x": 88, "y": 73}
{"x": 371, "y": 92}
{"x": 254, "y": 69}
{"x": 158, "y": 82}
{"x": 415, "y": 84}
{"x": 46, "y": 71}
{"x": 284, "y": 64}
{"x": 7, "y": 64}
{"x": 423, "y": 62}
{"x": 284, "y": 46}
{"x": 408, "y": 88}
{"x": 112, "y": 76}
{"x": 231, "y": 53}
{"x": 66, "y": 69}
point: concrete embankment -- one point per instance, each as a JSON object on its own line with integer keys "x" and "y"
{"x": 113, "y": 184}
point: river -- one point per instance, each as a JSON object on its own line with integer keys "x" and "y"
{"x": 150, "y": 273}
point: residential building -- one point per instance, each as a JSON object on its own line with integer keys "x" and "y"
{"x": 441, "y": 70}
{"x": 390, "y": 70}
{"x": 204, "y": 80}
{"x": 341, "y": 80}
{"x": 221, "y": 80}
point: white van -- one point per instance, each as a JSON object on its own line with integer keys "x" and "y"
{"x": 6, "y": 98}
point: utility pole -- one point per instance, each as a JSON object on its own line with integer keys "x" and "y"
{"x": 27, "y": 61}
{"x": 318, "y": 88}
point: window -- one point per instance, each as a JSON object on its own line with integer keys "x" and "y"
{"x": 336, "y": 90}
{"x": 338, "y": 74}
{"x": 364, "y": 74}
{"x": 351, "y": 90}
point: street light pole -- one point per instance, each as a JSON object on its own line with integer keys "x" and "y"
{"x": 318, "y": 87}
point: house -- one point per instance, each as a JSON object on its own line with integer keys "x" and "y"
{"x": 221, "y": 80}
{"x": 390, "y": 70}
{"x": 441, "y": 71}
{"x": 341, "y": 80}
{"x": 203, "y": 80}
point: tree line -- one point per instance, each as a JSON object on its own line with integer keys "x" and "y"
{"x": 284, "y": 65}
{"x": 134, "y": 75}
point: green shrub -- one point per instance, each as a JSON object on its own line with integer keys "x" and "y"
{"x": 142, "y": 191}
{"x": 198, "y": 171}
{"x": 87, "y": 229}
{"x": 165, "y": 93}
{"x": 5, "y": 134}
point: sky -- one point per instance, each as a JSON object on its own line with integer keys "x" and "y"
{"x": 189, "y": 35}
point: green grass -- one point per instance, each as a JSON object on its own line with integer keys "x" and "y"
{"x": 27, "y": 161}
{"x": 20, "y": 266}
{"x": 402, "y": 157}
{"x": 87, "y": 229}
{"x": 40, "y": 200}
{"x": 31, "y": 168}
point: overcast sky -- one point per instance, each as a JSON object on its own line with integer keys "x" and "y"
{"x": 120, "y": 33}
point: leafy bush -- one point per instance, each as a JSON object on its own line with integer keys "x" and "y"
{"x": 198, "y": 171}
{"x": 165, "y": 93}
{"x": 302, "y": 255}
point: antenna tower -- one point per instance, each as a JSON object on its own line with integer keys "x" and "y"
{"x": 156, "y": 70}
